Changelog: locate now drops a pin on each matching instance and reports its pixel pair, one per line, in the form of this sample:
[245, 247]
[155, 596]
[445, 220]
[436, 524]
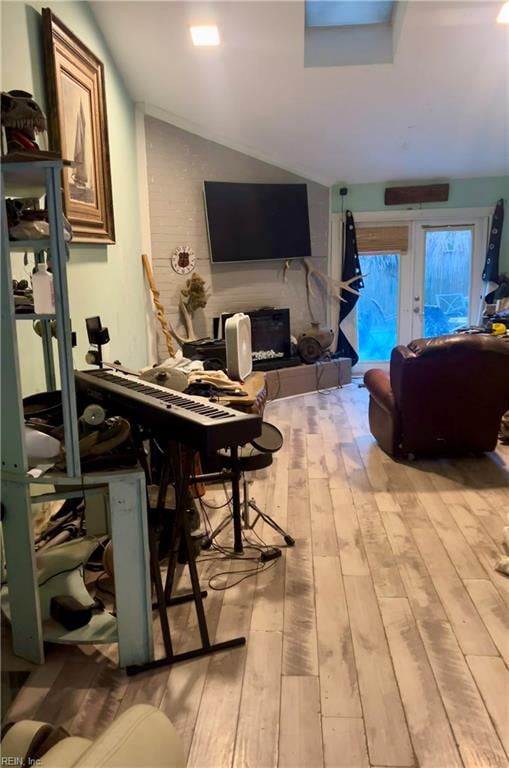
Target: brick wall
[178, 163]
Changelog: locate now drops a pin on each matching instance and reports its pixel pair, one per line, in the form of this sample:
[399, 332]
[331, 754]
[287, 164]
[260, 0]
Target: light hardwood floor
[381, 639]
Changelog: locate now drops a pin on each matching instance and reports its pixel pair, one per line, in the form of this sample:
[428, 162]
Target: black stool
[254, 455]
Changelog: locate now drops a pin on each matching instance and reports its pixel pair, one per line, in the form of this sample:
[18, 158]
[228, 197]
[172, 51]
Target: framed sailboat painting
[78, 129]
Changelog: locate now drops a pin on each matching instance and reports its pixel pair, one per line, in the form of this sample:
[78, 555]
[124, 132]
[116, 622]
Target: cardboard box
[284, 382]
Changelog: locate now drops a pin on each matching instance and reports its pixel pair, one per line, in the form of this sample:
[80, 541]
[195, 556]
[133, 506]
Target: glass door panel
[377, 308]
[444, 281]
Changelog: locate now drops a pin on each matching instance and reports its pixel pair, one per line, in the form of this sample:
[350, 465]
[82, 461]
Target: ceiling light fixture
[503, 16]
[205, 35]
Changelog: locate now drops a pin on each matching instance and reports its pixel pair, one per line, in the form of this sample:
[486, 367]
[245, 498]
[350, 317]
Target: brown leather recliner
[444, 396]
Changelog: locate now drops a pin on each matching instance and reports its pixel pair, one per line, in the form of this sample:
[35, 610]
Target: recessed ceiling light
[205, 35]
[503, 16]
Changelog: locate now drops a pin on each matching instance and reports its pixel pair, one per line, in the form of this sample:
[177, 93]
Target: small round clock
[183, 260]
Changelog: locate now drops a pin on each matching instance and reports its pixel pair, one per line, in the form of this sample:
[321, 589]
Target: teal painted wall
[463, 193]
[103, 280]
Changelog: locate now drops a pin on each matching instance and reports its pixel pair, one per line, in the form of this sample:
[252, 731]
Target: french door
[432, 288]
[378, 308]
[447, 280]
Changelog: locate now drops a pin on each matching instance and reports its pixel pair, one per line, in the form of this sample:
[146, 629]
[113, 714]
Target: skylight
[346, 13]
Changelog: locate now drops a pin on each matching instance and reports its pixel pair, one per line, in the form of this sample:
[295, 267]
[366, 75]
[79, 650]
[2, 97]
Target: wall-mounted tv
[257, 222]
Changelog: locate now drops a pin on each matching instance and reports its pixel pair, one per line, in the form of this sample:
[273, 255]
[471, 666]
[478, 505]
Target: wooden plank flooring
[381, 639]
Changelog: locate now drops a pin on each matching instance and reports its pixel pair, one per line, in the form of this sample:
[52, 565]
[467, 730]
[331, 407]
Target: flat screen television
[257, 222]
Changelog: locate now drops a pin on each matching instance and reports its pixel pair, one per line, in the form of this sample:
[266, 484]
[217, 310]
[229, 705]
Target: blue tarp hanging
[491, 265]
[351, 268]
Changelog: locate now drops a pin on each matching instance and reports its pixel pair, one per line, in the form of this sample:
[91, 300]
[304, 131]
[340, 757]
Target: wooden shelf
[31, 183]
[34, 158]
[29, 245]
[59, 478]
[102, 628]
[62, 495]
[33, 316]
[26, 177]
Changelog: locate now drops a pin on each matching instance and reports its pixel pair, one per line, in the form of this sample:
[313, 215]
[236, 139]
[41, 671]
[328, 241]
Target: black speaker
[205, 349]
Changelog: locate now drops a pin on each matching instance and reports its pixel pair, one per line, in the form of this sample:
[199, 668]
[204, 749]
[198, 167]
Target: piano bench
[258, 453]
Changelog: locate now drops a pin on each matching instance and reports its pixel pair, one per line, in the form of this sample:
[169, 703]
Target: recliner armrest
[378, 385]
[20, 740]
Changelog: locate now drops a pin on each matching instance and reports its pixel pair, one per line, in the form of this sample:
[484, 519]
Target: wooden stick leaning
[158, 305]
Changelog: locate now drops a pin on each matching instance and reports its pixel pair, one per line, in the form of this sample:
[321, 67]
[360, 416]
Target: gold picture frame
[78, 130]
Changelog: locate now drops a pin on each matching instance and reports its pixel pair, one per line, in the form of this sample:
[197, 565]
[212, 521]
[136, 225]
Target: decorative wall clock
[183, 260]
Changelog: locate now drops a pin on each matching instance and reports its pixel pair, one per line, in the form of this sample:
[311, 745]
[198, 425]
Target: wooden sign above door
[424, 193]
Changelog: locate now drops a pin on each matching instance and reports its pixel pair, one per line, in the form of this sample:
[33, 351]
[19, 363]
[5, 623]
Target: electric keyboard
[192, 420]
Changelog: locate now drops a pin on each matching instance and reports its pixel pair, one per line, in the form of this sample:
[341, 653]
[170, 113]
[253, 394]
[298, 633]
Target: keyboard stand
[181, 461]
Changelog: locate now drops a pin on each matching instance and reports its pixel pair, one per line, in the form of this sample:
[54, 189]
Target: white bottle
[44, 294]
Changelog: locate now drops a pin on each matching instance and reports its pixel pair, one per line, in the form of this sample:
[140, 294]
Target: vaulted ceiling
[441, 109]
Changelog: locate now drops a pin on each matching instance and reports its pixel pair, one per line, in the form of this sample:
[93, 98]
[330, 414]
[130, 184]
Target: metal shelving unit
[37, 178]
[124, 490]
[33, 178]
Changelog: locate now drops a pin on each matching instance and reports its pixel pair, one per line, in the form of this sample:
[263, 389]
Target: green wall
[103, 280]
[463, 193]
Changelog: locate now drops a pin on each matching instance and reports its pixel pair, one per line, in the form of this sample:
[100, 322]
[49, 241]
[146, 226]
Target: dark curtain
[491, 267]
[351, 268]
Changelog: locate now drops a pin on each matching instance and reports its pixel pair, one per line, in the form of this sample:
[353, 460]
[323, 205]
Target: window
[345, 13]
